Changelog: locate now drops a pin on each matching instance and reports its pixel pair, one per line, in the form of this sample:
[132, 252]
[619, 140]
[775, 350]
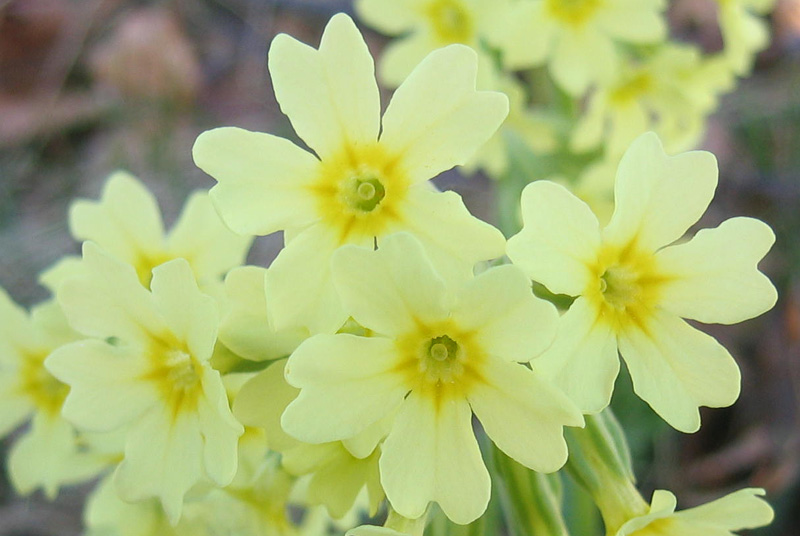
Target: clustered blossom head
[388, 340]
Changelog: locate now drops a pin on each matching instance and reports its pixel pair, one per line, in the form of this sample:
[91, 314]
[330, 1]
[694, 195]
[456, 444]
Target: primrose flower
[633, 285]
[740, 510]
[442, 350]
[147, 370]
[126, 222]
[670, 93]
[426, 25]
[578, 38]
[368, 177]
[48, 454]
[744, 31]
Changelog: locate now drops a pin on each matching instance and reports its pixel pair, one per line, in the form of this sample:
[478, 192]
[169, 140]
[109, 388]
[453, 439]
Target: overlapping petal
[191, 316]
[500, 308]
[390, 289]
[346, 382]
[560, 239]
[440, 221]
[431, 454]
[105, 391]
[163, 458]
[436, 119]
[524, 415]
[262, 179]
[200, 237]
[583, 360]
[125, 221]
[299, 285]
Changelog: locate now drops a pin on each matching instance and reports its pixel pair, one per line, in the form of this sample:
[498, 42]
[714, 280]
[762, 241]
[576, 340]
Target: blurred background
[91, 86]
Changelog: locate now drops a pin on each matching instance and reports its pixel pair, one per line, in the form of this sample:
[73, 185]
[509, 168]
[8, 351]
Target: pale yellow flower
[670, 93]
[369, 175]
[442, 349]
[146, 368]
[578, 39]
[338, 471]
[744, 31]
[634, 286]
[425, 25]
[741, 510]
[126, 222]
[49, 454]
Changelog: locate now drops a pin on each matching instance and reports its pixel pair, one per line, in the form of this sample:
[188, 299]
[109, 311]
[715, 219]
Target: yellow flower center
[360, 192]
[626, 287]
[177, 374]
[573, 12]
[632, 88]
[440, 360]
[44, 390]
[451, 22]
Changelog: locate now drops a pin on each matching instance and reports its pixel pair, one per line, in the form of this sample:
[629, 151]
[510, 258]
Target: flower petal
[431, 454]
[388, 17]
[583, 360]
[390, 289]
[346, 383]
[524, 415]
[219, 429]
[508, 320]
[441, 222]
[107, 300]
[191, 316]
[245, 328]
[104, 390]
[635, 21]
[262, 401]
[714, 277]
[743, 509]
[126, 220]
[559, 241]
[261, 179]
[299, 285]
[330, 95]
[163, 459]
[659, 197]
[402, 55]
[676, 368]
[200, 237]
[436, 119]
[582, 57]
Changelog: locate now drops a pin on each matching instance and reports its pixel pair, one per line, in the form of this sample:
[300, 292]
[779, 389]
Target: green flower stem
[600, 462]
[412, 527]
[531, 500]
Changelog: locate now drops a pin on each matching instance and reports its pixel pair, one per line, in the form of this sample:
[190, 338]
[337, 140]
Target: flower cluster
[390, 347]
